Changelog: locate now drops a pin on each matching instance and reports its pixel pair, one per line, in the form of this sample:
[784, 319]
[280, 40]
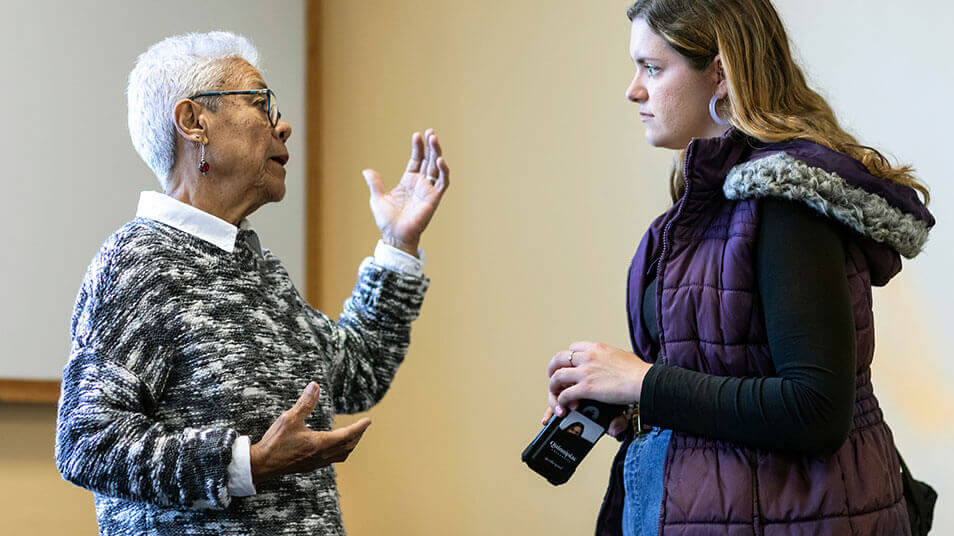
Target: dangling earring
[712, 112]
[203, 165]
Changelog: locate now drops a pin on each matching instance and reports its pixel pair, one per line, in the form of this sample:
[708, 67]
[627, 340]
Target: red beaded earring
[203, 165]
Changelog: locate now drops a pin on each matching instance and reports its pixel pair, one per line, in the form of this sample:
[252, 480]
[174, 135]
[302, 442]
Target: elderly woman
[191, 400]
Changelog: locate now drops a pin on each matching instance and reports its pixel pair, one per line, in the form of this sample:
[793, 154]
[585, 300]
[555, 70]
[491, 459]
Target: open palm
[403, 213]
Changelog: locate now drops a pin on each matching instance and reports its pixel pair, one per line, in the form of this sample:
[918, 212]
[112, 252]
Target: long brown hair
[769, 98]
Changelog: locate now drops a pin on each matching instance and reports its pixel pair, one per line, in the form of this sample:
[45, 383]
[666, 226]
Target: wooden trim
[29, 391]
[313, 212]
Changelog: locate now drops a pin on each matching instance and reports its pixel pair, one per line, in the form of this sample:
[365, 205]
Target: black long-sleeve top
[807, 408]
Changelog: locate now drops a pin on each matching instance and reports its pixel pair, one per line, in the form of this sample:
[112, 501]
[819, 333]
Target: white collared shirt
[222, 234]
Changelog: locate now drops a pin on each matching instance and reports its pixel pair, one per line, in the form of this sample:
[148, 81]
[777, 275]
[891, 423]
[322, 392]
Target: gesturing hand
[291, 447]
[403, 213]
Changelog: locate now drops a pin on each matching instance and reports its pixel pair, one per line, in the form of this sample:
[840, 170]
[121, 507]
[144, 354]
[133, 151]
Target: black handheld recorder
[560, 447]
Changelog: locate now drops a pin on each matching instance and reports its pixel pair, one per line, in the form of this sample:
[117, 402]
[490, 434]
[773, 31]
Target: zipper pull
[652, 266]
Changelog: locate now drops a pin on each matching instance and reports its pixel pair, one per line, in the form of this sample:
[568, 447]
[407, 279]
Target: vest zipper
[685, 193]
[662, 254]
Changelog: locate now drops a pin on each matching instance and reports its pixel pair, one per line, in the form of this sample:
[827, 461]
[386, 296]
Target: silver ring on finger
[571, 358]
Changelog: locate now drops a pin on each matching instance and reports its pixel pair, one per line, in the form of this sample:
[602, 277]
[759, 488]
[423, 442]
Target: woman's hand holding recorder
[594, 371]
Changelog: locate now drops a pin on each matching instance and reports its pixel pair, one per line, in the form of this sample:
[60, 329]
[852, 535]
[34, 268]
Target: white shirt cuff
[395, 259]
[240, 469]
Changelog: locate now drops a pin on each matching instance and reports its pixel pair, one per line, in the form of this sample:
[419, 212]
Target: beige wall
[552, 185]
[34, 500]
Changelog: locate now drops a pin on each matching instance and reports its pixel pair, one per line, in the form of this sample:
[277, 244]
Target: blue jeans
[643, 482]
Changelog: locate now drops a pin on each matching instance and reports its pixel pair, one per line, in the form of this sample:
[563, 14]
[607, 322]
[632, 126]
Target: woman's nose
[636, 92]
[283, 130]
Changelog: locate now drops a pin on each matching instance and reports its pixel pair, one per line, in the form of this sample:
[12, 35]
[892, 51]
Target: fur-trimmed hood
[889, 217]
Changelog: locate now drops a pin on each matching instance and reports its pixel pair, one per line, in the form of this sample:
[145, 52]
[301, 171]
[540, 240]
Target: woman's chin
[653, 139]
[275, 189]
[278, 193]
[664, 142]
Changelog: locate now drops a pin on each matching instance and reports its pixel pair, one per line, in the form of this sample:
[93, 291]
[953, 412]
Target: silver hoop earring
[712, 112]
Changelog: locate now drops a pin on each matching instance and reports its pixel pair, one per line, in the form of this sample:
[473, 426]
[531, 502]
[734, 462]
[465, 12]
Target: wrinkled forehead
[241, 75]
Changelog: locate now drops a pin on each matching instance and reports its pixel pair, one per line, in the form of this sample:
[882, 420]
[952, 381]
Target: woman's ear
[189, 118]
[718, 76]
[722, 83]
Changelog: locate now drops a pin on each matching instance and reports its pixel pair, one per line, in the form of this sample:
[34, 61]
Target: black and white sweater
[179, 346]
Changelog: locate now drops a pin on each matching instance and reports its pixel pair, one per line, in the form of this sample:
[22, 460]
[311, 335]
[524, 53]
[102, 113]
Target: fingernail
[559, 411]
[312, 389]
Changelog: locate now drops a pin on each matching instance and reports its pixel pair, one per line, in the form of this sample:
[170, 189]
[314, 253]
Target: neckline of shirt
[189, 219]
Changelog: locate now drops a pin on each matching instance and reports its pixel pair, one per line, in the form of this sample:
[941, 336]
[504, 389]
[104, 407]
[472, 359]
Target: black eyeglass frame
[268, 101]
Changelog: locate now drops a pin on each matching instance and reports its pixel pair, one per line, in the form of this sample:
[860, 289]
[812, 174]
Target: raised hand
[403, 213]
[289, 446]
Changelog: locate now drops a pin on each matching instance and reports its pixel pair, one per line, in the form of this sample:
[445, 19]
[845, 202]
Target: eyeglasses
[271, 101]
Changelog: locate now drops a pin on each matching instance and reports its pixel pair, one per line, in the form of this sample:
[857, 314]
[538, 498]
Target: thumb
[373, 179]
[356, 429]
[307, 401]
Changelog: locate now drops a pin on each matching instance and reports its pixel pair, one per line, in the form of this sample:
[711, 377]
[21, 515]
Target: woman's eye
[652, 70]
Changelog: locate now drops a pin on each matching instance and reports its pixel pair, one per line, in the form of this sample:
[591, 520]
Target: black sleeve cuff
[648, 394]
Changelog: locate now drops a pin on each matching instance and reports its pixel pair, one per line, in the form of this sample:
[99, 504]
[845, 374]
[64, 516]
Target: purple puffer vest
[710, 320]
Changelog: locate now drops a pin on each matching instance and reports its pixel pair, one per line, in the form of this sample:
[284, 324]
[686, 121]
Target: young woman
[750, 298]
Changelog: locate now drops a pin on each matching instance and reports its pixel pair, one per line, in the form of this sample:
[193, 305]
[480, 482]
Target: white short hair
[173, 69]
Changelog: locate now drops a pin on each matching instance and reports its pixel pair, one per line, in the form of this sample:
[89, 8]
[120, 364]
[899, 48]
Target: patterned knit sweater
[178, 347]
